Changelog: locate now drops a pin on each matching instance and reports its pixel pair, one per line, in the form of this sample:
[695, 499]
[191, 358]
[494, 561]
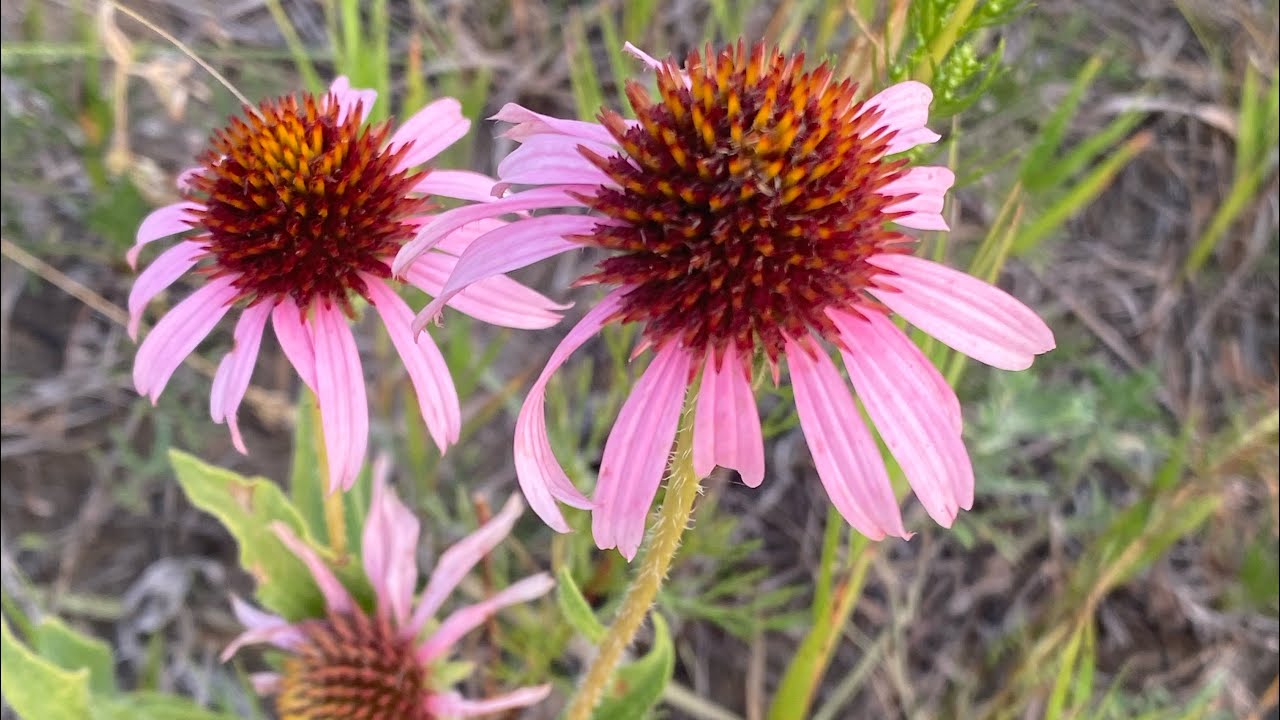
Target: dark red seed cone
[300, 199]
[748, 200]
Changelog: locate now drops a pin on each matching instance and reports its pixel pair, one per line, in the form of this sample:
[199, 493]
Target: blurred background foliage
[1116, 167]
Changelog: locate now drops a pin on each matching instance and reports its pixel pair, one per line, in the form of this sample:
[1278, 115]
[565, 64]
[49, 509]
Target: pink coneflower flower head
[296, 209]
[381, 665]
[754, 209]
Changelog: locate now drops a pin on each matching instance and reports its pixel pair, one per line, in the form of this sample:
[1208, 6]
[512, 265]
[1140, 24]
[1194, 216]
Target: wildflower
[750, 209]
[378, 666]
[295, 209]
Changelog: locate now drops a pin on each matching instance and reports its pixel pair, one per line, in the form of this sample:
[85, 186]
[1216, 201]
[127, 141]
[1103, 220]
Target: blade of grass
[301, 58]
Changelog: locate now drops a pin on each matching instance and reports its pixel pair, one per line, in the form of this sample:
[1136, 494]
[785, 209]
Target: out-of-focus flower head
[381, 666]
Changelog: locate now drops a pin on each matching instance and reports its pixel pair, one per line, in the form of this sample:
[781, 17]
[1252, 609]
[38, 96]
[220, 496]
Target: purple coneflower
[751, 211]
[296, 209]
[352, 664]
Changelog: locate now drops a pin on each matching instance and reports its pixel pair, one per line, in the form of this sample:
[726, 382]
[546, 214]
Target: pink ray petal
[389, 547]
[234, 372]
[541, 477]
[726, 424]
[509, 248]
[344, 411]
[916, 428]
[929, 184]
[906, 110]
[461, 184]
[437, 398]
[260, 627]
[635, 454]
[963, 312]
[435, 127]
[458, 560]
[527, 123]
[451, 220]
[497, 300]
[178, 333]
[295, 339]
[845, 454]
[457, 242]
[159, 275]
[336, 597]
[349, 98]
[466, 619]
[905, 354]
[163, 222]
[554, 160]
[453, 705]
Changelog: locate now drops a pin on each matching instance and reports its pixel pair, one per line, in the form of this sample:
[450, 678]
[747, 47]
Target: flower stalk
[673, 517]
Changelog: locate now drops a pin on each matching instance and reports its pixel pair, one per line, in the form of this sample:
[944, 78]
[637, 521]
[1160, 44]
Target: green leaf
[71, 650]
[575, 608]
[248, 507]
[640, 684]
[36, 688]
[153, 705]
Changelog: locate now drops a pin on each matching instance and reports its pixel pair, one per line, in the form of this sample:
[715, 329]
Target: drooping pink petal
[905, 354]
[389, 546]
[541, 477]
[432, 383]
[466, 619]
[906, 110]
[163, 222]
[461, 184]
[929, 184]
[453, 705]
[295, 339]
[159, 275]
[527, 123]
[963, 312]
[497, 300]
[336, 597]
[845, 454]
[508, 248]
[457, 241]
[178, 333]
[726, 424]
[348, 98]
[344, 411]
[918, 430]
[260, 627]
[451, 220]
[554, 160]
[234, 372]
[635, 454]
[435, 127]
[458, 560]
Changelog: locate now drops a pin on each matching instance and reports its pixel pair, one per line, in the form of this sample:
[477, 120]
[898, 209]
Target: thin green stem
[335, 519]
[664, 541]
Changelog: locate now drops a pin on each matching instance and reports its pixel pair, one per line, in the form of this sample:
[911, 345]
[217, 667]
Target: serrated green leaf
[71, 650]
[640, 684]
[575, 608]
[36, 688]
[247, 507]
[153, 706]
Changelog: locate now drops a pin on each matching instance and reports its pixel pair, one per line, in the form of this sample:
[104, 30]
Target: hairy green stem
[664, 541]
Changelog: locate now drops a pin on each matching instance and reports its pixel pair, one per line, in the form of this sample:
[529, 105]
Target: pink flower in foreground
[380, 667]
[748, 210]
[296, 208]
